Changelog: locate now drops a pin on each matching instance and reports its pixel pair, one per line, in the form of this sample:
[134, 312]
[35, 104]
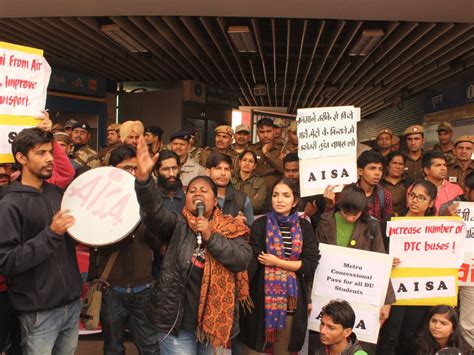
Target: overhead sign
[327, 147]
[23, 89]
[357, 276]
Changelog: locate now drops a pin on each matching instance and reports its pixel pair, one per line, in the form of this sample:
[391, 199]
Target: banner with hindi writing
[466, 271]
[23, 90]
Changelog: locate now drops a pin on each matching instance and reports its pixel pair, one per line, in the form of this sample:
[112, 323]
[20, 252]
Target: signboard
[327, 147]
[466, 271]
[77, 83]
[104, 205]
[357, 276]
[23, 90]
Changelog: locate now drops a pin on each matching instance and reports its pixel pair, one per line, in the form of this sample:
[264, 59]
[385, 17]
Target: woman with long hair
[285, 256]
[441, 330]
[247, 181]
[396, 336]
[203, 278]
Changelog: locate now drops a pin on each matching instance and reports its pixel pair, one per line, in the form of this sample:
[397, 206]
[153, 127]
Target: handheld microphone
[200, 210]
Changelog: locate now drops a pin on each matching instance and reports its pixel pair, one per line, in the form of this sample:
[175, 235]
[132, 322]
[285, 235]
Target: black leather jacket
[165, 309]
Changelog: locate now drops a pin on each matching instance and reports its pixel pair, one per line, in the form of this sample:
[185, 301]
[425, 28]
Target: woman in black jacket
[194, 304]
[285, 256]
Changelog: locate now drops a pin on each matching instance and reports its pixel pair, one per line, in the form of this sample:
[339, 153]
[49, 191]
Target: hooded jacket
[40, 266]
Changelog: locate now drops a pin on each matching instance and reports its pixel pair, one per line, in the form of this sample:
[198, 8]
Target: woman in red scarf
[285, 256]
[203, 279]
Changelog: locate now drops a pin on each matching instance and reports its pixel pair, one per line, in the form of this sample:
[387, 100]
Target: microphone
[200, 210]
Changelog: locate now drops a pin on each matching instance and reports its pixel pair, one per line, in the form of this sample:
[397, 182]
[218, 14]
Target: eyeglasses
[419, 198]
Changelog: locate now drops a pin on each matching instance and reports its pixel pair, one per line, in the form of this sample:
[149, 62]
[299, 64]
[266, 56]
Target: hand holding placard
[61, 222]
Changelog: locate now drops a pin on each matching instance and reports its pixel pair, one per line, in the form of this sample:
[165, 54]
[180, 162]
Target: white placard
[24, 82]
[104, 204]
[466, 271]
[428, 242]
[327, 131]
[316, 174]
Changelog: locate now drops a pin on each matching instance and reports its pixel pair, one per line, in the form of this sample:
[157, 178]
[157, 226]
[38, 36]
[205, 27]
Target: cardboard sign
[427, 242]
[23, 89]
[425, 286]
[104, 204]
[466, 271]
[357, 276]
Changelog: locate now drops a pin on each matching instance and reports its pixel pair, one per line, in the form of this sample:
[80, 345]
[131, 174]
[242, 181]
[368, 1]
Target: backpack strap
[109, 266]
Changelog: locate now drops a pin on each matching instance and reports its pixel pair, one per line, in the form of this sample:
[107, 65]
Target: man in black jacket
[38, 260]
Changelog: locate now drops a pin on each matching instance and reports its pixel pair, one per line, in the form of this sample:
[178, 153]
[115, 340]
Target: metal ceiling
[296, 59]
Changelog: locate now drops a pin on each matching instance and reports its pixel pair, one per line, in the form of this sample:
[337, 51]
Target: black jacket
[252, 325]
[40, 266]
[166, 305]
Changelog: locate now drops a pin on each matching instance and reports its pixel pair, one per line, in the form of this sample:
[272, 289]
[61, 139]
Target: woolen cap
[445, 126]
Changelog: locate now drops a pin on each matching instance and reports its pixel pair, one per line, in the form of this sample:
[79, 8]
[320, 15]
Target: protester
[441, 330]
[445, 143]
[129, 283]
[189, 168]
[291, 146]
[246, 181]
[463, 165]
[112, 140]
[130, 132]
[285, 256]
[153, 138]
[384, 142]
[269, 166]
[395, 183]
[38, 259]
[415, 138]
[351, 226]
[370, 171]
[231, 201]
[436, 171]
[337, 337]
[223, 141]
[397, 334]
[195, 302]
[84, 154]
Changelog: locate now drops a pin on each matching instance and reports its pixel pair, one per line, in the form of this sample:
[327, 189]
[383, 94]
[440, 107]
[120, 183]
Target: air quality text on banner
[327, 147]
[23, 87]
[357, 276]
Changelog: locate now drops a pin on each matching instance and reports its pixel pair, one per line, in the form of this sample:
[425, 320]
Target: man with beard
[370, 170]
[84, 154]
[171, 189]
[37, 258]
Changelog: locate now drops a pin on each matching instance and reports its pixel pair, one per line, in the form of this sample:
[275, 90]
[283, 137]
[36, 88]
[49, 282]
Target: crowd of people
[226, 249]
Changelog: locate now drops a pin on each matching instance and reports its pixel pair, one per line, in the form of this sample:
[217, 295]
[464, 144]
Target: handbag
[90, 314]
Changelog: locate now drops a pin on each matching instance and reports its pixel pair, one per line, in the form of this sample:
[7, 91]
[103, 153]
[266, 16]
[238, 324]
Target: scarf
[281, 288]
[220, 285]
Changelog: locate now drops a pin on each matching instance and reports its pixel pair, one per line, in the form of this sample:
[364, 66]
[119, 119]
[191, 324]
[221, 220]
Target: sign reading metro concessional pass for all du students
[24, 77]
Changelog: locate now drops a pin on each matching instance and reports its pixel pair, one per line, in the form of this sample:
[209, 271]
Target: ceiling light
[368, 40]
[115, 33]
[242, 39]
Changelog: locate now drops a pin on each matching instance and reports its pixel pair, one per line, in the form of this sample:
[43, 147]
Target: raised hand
[45, 123]
[145, 162]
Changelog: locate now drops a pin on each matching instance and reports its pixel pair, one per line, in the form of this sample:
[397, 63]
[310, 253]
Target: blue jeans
[120, 310]
[184, 344]
[54, 331]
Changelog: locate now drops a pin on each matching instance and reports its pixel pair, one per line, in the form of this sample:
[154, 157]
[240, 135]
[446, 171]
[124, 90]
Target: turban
[129, 126]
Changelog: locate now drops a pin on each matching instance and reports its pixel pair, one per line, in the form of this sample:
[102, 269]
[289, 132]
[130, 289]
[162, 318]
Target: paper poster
[466, 271]
[23, 88]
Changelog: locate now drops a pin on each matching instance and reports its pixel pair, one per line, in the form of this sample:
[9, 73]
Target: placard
[360, 277]
[425, 242]
[23, 89]
[104, 205]
[466, 271]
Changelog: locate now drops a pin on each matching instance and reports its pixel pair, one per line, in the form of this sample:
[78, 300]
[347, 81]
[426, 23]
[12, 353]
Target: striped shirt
[285, 231]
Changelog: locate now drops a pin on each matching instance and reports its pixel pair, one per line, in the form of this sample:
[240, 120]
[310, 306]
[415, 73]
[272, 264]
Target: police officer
[463, 164]
[415, 138]
[384, 142]
[445, 144]
[112, 139]
[223, 141]
[84, 154]
[291, 146]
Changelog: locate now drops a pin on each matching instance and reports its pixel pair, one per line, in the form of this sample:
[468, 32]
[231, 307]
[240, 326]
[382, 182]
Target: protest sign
[466, 271]
[427, 242]
[357, 276]
[327, 147]
[425, 286]
[23, 90]
[104, 205]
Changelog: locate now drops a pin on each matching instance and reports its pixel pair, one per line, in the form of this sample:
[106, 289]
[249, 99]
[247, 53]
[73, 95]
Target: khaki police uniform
[269, 165]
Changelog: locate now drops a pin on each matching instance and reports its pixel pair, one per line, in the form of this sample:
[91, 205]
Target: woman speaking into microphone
[195, 302]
